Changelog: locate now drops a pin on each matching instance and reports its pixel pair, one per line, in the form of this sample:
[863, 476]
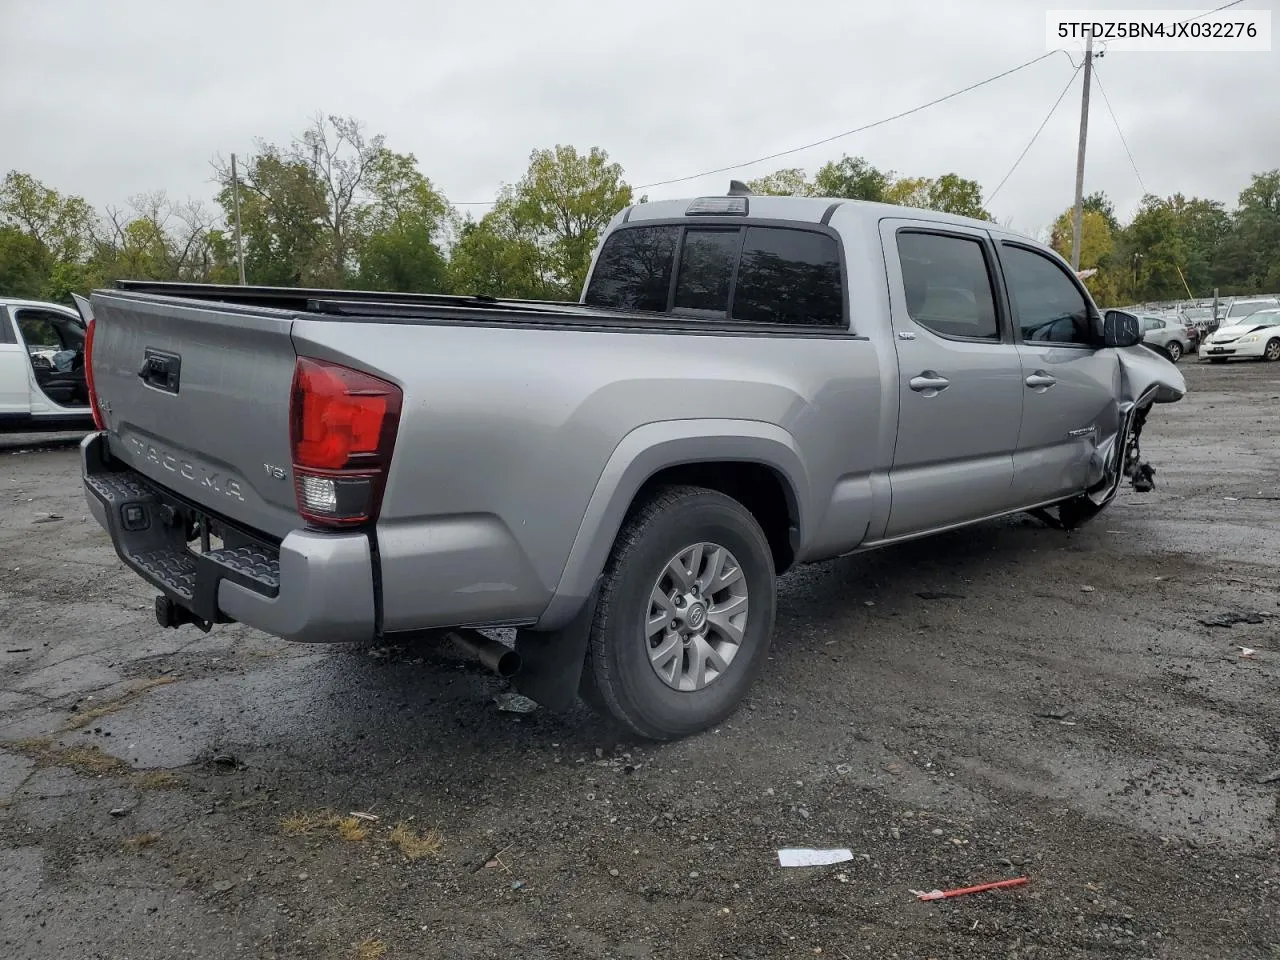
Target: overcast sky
[106, 99]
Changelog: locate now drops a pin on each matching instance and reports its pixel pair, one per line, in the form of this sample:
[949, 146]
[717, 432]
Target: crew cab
[42, 370]
[747, 383]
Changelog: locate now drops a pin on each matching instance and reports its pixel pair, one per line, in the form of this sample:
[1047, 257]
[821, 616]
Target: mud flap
[552, 660]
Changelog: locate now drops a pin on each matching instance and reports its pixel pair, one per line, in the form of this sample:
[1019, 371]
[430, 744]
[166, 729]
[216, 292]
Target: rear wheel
[1175, 350]
[1271, 352]
[685, 615]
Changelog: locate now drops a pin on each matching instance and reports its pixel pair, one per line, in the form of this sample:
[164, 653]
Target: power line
[907, 113]
[1107, 101]
[847, 133]
[818, 143]
[1210, 13]
[1034, 137]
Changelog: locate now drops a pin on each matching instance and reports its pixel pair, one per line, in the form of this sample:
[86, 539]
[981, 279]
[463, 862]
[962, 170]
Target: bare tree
[341, 158]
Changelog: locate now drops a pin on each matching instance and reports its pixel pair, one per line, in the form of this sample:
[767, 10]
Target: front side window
[633, 271]
[948, 286]
[1048, 306]
[39, 330]
[790, 277]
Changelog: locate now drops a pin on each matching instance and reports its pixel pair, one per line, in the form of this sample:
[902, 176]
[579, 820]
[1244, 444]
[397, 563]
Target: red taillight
[88, 375]
[343, 425]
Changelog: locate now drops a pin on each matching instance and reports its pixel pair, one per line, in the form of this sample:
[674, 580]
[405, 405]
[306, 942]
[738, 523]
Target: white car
[1256, 336]
[42, 373]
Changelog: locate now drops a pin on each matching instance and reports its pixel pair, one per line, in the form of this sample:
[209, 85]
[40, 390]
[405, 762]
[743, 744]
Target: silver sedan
[1175, 337]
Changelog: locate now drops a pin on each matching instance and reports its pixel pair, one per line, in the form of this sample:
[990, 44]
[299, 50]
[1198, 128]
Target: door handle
[929, 383]
[1040, 381]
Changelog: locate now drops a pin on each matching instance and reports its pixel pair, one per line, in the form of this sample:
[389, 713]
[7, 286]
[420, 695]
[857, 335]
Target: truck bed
[432, 308]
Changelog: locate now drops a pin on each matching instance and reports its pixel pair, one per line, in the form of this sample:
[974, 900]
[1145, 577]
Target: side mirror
[1120, 329]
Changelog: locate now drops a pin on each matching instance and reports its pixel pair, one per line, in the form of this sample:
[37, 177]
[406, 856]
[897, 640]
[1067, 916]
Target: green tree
[157, 239]
[1203, 225]
[791, 182]
[851, 178]
[908, 192]
[1099, 202]
[565, 199]
[282, 221]
[1250, 258]
[67, 226]
[1097, 242]
[1157, 249]
[500, 256]
[952, 193]
[25, 264]
[400, 229]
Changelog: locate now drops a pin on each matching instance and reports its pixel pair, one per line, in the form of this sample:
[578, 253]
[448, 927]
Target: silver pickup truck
[747, 383]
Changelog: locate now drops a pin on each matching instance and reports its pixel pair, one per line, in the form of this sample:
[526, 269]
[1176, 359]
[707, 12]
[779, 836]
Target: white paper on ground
[812, 858]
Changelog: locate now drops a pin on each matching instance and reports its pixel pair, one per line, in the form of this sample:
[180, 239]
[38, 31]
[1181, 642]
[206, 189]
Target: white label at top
[1160, 31]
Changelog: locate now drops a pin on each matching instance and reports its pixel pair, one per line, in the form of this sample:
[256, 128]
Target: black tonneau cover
[380, 307]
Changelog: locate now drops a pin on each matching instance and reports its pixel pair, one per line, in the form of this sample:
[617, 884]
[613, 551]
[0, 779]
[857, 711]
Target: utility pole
[1078, 218]
[240, 243]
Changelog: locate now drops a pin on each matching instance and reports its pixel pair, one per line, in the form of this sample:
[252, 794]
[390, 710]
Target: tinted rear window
[706, 267]
[784, 276]
[788, 276]
[633, 271]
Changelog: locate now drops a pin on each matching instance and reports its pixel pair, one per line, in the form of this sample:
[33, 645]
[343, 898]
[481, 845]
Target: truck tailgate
[196, 397]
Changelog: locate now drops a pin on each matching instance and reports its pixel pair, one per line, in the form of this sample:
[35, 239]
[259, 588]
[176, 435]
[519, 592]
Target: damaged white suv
[42, 369]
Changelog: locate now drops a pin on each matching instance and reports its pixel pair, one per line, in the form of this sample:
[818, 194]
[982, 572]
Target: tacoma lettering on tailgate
[193, 473]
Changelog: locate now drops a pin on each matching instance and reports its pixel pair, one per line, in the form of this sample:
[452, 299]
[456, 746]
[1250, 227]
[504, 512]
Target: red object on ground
[980, 888]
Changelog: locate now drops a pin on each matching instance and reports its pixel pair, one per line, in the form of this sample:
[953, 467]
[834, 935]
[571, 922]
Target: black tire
[1175, 350]
[1271, 352]
[618, 678]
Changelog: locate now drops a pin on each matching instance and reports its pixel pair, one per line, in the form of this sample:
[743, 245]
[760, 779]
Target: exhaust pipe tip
[497, 656]
[507, 666]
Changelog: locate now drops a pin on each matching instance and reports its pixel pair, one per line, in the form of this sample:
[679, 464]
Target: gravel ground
[1001, 702]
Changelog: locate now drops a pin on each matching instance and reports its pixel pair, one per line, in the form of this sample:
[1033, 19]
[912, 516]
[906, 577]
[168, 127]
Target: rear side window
[789, 276]
[706, 268]
[948, 285]
[633, 271]
[6, 327]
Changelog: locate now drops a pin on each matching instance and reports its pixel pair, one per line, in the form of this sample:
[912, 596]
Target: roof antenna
[738, 189]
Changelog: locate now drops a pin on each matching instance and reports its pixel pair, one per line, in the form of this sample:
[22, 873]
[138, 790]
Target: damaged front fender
[1146, 370]
[1146, 378]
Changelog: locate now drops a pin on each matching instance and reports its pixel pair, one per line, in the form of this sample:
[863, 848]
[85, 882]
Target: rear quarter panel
[509, 434]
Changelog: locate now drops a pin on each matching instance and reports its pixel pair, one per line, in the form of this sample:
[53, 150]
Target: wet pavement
[1004, 701]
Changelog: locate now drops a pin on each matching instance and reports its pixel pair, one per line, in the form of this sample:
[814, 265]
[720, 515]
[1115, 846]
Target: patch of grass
[303, 823]
[157, 780]
[142, 840]
[370, 950]
[416, 845]
[352, 829]
[85, 717]
[300, 823]
[90, 761]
